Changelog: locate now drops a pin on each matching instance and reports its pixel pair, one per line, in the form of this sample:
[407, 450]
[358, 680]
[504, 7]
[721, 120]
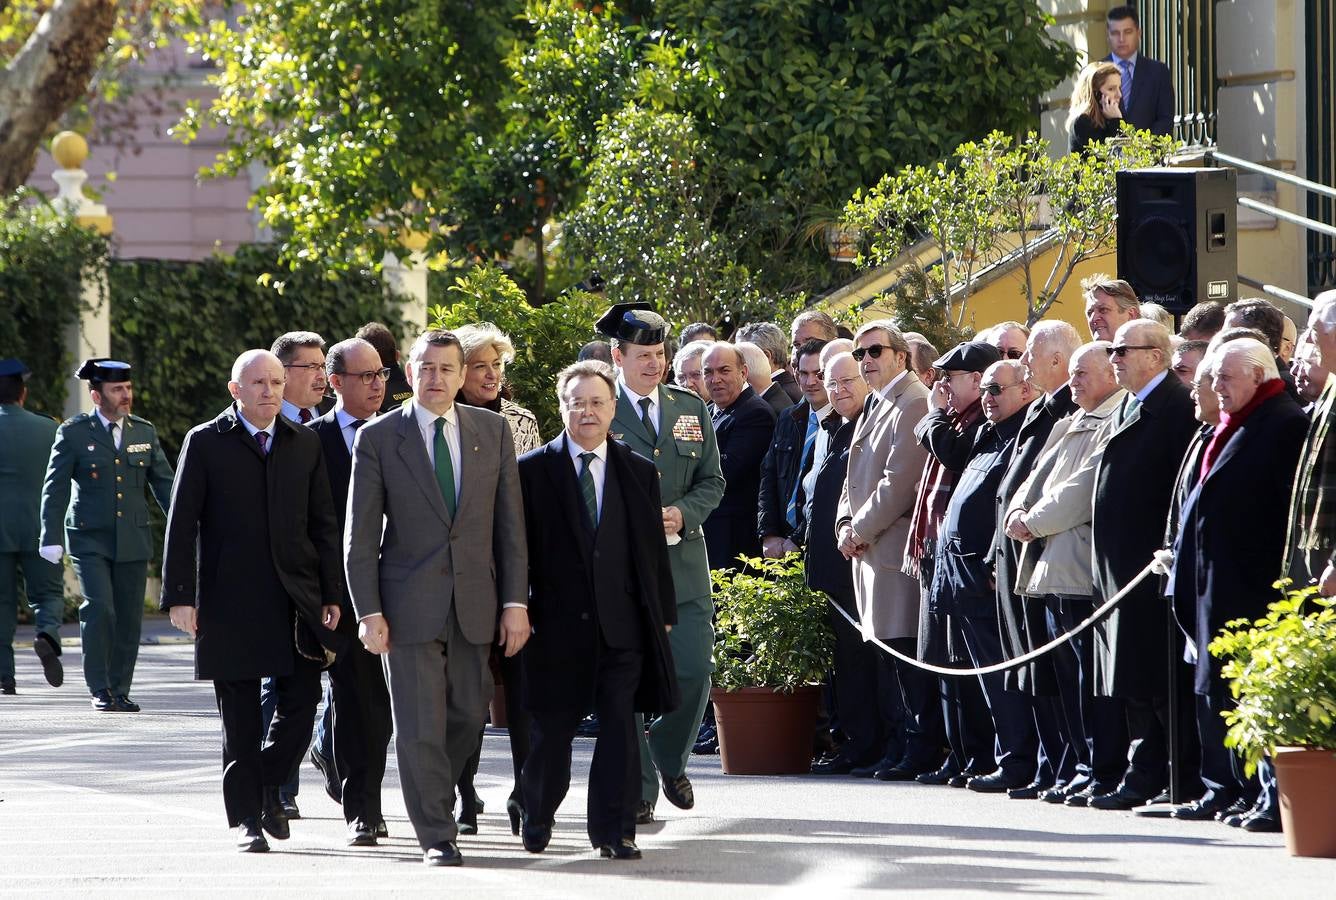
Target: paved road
[97, 804]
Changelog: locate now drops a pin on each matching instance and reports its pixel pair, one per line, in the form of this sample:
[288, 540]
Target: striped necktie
[809, 447]
[587, 488]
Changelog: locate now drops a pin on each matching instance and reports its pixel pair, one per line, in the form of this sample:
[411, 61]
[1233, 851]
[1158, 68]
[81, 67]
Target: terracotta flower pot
[1307, 783]
[765, 732]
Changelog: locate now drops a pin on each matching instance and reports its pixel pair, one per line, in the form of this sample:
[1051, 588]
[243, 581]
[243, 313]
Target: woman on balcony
[1096, 110]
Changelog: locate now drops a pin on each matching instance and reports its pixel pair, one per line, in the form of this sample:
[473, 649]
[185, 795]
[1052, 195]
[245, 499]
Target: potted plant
[1282, 671]
[772, 648]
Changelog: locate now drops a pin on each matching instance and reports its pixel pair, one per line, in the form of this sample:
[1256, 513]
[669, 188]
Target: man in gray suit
[435, 557]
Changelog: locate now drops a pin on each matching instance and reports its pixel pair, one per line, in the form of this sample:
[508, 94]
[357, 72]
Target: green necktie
[587, 488]
[445, 469]
[644, 417]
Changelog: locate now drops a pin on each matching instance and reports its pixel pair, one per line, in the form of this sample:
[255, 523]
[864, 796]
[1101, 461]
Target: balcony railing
[1181, 34]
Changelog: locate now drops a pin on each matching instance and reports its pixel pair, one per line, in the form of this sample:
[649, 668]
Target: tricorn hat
[103, 370]
[635, 323]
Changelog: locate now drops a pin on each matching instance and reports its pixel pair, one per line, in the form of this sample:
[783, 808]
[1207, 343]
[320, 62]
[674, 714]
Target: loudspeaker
[1177, 235]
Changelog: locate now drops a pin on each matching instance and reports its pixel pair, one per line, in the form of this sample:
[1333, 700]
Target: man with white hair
[1048, 350]
[250, 568]
[1134, 480]
[686, 367]
[758, 376]
[1223, 572]
[772, 341]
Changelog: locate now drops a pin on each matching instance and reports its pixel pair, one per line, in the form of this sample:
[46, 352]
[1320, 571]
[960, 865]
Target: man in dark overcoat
[251, 570]
[601, 601]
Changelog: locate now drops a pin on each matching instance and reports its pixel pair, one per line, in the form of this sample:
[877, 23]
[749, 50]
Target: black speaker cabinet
[1177, 235]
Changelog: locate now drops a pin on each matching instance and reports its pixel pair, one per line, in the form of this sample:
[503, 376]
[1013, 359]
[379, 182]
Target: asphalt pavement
[115, 804]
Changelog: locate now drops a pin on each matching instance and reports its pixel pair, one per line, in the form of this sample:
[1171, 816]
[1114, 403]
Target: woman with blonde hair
[1096, 110]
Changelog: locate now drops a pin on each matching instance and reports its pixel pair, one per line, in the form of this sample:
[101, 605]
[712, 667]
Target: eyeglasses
[1013, 353]
[993, 389]
[840, 384]
[368, 377]
[874, 351]
[310, 367]
[1123, 349]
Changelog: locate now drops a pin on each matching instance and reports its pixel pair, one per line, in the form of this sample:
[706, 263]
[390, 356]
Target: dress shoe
[125, 704]
[48, 651]
[443, 854]
[290, 810]
[7, 685]
[644, 812]
[249, 837]
[381, 830]
[996, 782]
[897, 773]
[1203, 810]
[468, 815]
[707, 744]
[1030, 791]
[515, 811]
[623, 849]
[272, 817]
[325, 766]
[835, 765]
[103, 701]
[361, 834]
[962, 779]
[535, 837]
[1261, 823]
[678, 791]
[1092, 790]
[588, 727]
[1122, 799]
[1238, 809]
[939, 776]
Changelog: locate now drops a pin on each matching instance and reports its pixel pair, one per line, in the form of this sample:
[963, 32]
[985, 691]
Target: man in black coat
[1048, 351]
[1222, 571]
[262, 594]
[1134, 479]
[1148, 90]
[601, 601]
[359, 709]
[797, 446]
[743, 425]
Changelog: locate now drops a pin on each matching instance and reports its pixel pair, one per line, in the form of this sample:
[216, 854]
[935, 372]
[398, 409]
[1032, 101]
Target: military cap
[14, 367]
[969, 356]
[103, 369]
[635, 323]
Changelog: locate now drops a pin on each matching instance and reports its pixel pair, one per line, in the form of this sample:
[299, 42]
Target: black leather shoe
[588, 727]
[1239, 807]
[1203, 810]
[103, 701]
[325, 766]
[290, 810]
[962, 779]
[1261, 823]
[1122, 799]
[1030, 791]
[443, 854]
[678, 791]
[272, 817]
[644, 812]
[896, 773]
[623, 849]
[1060, 792]
[515, 811]
[996, 782]
[48, 651]
[468, 815]
[7, 685]
[381, 830]
[938, 777]
[249, 837]
[707, 744]
[835, 765]
[361, 834]
[535, 837]
[125, 704]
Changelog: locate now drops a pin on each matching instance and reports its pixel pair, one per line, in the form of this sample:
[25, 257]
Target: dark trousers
[1017, 743]
[360, 730]
[1148, 729]
[268, 704]
[856, 688]
[614, 775]
[1104, 719]
[1221, 768]
[41, 583]
[517, 725]
[1059, 619]
[251, 762]
[110, 619]
[921, 701]
[969, 728]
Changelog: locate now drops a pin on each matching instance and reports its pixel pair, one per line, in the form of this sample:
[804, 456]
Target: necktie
[445, 469]
[649, 425]
[303, 415]
[1126, 66]
[1130, 406]
[356, 424]
[809, 446]
[262, 437]
[111, 428]
[587, 488]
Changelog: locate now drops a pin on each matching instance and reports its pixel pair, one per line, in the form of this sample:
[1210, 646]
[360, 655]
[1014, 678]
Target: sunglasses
[1124, 349]
[993, 389]
[874, 351]
[1013, 353]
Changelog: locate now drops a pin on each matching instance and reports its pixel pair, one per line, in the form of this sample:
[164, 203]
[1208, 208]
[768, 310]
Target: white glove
[1163, 562]
[52, 553]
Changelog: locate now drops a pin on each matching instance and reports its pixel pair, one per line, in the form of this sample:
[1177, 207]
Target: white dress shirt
[346, 420]
[426, 421]
[117, 435]
[252, 430]
[635, 403]
[819, 450]
[598, 467]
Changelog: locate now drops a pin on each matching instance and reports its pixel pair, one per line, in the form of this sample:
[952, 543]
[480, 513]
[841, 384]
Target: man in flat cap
[100, 466]
[25, 446]
[670, 426]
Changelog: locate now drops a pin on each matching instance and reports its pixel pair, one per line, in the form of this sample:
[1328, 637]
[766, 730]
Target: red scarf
[1232, 422]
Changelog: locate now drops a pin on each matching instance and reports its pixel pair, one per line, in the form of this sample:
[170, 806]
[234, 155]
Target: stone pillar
[90, 335]
[408, 281]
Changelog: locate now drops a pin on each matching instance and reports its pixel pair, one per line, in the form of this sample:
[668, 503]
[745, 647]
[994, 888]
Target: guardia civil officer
[102, 466]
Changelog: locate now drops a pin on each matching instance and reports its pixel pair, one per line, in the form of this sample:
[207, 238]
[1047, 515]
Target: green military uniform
[687, 458]
[25, 446]
[106, 524]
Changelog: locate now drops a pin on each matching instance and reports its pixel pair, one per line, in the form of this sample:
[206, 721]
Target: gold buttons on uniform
[119, 478]
[657, 451]
[118, 513]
